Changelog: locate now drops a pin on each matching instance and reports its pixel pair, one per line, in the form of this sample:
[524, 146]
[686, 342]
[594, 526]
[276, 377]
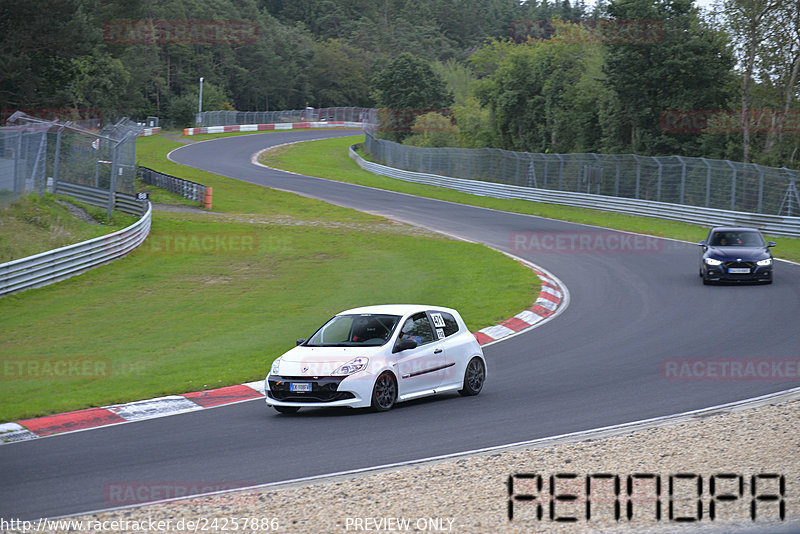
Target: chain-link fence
[232, 118]
[37, 154]
[719, 184]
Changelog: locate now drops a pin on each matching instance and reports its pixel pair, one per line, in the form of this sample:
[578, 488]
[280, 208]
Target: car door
[420, 370]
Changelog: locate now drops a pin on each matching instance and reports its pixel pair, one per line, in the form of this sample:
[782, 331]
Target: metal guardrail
[54, 265]
[179, 186]
[100, 197]
[771, 224]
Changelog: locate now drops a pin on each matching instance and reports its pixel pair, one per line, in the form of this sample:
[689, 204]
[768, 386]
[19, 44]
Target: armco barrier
[179, 186]
[54, 265]
[268, 127]
[100, 197]
[771, 224]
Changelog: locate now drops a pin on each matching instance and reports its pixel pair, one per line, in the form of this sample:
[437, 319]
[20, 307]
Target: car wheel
[384, 394]
[286, 409]
[474, 377]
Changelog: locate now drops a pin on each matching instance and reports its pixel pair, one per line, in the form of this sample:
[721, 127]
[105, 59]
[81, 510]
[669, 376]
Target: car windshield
[737, 239]
[355, 331]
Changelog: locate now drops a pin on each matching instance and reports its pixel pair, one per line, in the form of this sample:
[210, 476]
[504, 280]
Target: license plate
[299, 386]
[739, 270]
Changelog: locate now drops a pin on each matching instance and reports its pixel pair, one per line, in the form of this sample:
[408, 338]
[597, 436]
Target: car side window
[444, 323]
[418, 328]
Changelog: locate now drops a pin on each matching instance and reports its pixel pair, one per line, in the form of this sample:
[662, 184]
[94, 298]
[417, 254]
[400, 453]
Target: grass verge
[34, 224]
[329, 158]
[211, 298]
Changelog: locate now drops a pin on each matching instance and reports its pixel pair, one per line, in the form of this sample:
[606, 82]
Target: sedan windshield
[737, 239]
[355, 331]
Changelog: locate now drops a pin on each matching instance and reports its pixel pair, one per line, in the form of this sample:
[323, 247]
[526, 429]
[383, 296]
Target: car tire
[384, 393]
[474, 377]
[287, 409]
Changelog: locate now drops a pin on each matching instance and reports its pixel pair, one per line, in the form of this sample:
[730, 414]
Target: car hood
[734, 253]
[320, 361]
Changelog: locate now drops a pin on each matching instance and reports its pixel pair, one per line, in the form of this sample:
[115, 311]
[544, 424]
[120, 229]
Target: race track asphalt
[601, 362]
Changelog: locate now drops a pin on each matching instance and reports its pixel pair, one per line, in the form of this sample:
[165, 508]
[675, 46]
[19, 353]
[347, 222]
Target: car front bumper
[719, 273]
[354, 391]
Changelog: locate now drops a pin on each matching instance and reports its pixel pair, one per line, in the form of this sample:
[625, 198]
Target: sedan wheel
[474, 377]
[384, 394]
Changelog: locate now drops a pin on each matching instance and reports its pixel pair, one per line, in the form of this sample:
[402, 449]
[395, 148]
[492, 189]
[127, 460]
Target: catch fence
[701, 182]
[36, 155]
[232, 118]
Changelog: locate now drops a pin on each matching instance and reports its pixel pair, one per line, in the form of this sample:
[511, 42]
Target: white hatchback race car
[377, 356]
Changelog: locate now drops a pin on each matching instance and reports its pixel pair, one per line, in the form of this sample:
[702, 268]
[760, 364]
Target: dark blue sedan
[734, 254]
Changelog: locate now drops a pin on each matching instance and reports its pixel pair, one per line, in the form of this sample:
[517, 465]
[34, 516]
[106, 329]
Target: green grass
[211, 298]
[329, 158]
[34, 224]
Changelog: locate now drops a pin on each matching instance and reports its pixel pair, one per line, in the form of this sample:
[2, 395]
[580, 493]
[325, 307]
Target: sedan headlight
[712, 261]
[353, 366]
[764, 262]
[275, 366]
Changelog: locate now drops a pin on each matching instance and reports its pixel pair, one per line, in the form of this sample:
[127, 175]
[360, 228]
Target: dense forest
[653, 77]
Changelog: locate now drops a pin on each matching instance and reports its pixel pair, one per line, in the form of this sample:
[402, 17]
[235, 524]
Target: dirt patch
[78, 212]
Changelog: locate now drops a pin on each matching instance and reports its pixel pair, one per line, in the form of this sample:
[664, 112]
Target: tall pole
[200, 101]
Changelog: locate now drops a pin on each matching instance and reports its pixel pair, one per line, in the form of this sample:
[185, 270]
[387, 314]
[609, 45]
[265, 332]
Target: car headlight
[762, 263]
[712, 261]
[275, 367]
[353, 366]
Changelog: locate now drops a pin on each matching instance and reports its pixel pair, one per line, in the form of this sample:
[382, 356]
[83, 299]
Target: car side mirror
[300, 341]
[404, 344]
[772, 244]
[702, 244]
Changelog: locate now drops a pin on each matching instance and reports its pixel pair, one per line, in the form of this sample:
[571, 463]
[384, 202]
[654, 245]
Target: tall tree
[686, 66]
[753, 24]
[406, 87]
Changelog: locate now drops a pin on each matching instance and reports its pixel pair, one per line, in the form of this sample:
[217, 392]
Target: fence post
[112, 187]
[17, 159]
[560, 172]
[658, 184]
[57, 158]
[683, 178]
[733, 185]
[708, 181]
